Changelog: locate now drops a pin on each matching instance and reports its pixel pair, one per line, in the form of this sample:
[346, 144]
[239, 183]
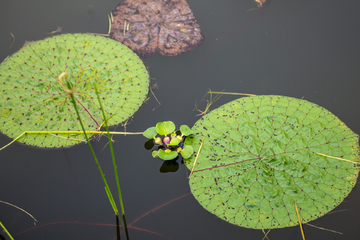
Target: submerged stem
[107, 189]
[114, 162]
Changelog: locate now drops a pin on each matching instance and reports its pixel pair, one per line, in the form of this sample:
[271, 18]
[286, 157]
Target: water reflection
[169, 165]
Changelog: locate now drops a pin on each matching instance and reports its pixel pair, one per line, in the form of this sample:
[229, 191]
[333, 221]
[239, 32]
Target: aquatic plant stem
[230, 93]
[89, 224]
[321, 228]
[342, 159]
[265, 234]
[67, 132]
[197, 155]
[209, 103]
[19, 209]
[298, 215]
[107, 189]
[130, 226]
[114, 162]
[6, 231]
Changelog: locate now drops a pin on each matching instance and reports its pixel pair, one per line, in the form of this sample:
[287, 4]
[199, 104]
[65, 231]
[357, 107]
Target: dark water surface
[297, 48]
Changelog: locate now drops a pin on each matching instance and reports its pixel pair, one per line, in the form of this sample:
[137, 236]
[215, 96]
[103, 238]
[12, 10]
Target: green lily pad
[260, 155]
[32, 98]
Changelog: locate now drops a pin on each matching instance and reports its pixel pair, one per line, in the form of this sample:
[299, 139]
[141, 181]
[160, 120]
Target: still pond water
[302, 49]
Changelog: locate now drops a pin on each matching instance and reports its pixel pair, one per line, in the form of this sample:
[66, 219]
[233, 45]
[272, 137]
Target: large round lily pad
[32, 98]
[260, 154]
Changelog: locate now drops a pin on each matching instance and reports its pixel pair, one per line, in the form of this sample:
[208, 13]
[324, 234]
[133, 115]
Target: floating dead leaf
[150, 26]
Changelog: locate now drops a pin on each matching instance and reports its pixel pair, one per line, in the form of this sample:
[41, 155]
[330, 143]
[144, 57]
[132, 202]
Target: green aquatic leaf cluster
[261, 154]
[169, 143]
[33, 95]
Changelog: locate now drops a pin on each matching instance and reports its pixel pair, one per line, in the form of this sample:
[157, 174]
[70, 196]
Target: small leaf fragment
[154, 154]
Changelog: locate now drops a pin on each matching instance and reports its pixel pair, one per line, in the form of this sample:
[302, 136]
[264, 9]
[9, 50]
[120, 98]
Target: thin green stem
[6, 231]
[107, 189]
[67, 132]
[113, 160]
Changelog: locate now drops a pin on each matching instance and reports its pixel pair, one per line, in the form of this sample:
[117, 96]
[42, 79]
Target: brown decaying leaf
[149, 26]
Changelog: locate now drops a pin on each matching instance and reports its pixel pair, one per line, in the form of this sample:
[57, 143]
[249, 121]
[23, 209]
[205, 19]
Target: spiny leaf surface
[259, 155]
[32, 99]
